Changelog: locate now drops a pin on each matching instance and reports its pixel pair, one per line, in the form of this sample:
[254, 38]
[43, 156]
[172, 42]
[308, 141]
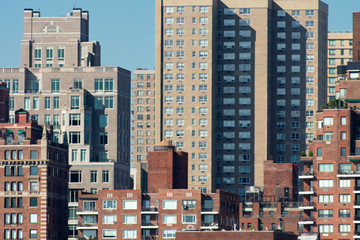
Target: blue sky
[124, 28]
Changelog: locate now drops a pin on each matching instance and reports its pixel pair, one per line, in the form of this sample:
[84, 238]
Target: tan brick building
[143, 123]
[34, 186]
[61, 83]
[340, 52]
[233, 78]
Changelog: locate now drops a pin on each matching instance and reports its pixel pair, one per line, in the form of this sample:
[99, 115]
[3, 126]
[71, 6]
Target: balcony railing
[212, 224]
[207, 209]
[87, 209]
[149, 209]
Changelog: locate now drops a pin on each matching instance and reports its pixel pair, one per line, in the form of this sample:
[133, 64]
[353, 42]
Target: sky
[124, 28]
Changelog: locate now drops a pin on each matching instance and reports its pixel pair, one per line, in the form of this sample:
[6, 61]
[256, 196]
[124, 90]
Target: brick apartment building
[163, 211]
[34, 173]
[123, 214]
[331, 170]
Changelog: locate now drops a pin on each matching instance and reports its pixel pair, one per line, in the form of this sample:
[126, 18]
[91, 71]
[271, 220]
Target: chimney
[21, 116]
[356, 36]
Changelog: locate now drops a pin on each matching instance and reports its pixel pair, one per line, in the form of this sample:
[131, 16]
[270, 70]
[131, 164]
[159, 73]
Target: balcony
[357, 189]
[306, 221]
[357, 204]
[306, 175]
[209, 226]
[149, 210]
[356, 219]
[87, 211]
[148, 225]
[348, 174]
[209, 210]
[307, 205]
[356, 235]
[308, 192]
[87, 227]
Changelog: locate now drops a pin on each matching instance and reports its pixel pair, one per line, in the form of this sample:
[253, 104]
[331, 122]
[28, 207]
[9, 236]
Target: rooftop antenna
[74, 4]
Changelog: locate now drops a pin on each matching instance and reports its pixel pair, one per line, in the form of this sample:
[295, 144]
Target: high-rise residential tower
[143, 123]
[238, 82]
[61, 83]
[340, 52]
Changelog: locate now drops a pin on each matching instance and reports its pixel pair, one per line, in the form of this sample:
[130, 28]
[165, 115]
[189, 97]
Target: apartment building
[34, 172]
[340, 52]
[130, 214]
[232, 235]
[62, 84]
[233, 78]
[331, 170]
[142, 123]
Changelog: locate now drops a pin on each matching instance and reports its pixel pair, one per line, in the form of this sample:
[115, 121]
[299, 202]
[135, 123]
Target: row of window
[75, 176]
[14, 87]
[181, 9]
[12, 171]
[100, 85]
[181, 76]
[342, 51]
[328, 228]
[181, 110]
[294, 35]
[295, 24]
[181, 20]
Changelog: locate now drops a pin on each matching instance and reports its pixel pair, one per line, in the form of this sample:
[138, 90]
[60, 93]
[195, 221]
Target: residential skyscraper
[61, 83]
[143, 123]
[340, 52]
[238, 83]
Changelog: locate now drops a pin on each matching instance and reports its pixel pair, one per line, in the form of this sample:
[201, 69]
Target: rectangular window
[105, 176]
[169, 204]
[75, 102]
[109, 204]
[55, 85]
[129, 204]
[129, 219]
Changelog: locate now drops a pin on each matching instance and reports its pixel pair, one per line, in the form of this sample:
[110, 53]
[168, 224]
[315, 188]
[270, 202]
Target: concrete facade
[236, 94]
[61, 84]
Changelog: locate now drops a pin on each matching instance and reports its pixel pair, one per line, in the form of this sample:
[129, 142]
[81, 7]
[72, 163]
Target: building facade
[34, 172]
[340, 52]
[61, 83]
[331, 170]
[242, 101]
[142, 123]
[129, 214]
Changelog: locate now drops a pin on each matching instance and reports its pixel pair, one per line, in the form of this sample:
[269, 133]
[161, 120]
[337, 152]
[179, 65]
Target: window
[169, 219]
[344, 198]
[93, 176]
[129, 204]
[74, 137]
[129, 219]
[55, 85]
[344, 183]
[326, 199]
[326, 183]
[190, 218]
[169, 233]
[129, 234]
[109, 219]
[325, 213]
[33, 218]
[105, 176]
[109, 233]
[169, 204]
[325, 228]
[246, 11]
[344, 213]
[75, 176]
[33, 233]
[326, 167]
[109, 204]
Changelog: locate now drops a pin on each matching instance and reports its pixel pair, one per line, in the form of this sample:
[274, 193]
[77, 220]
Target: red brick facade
[268, 235]
[155, 215]
[167, 168]
[34, 173]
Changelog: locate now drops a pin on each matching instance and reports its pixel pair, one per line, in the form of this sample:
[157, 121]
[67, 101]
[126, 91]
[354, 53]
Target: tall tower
[232, 78]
